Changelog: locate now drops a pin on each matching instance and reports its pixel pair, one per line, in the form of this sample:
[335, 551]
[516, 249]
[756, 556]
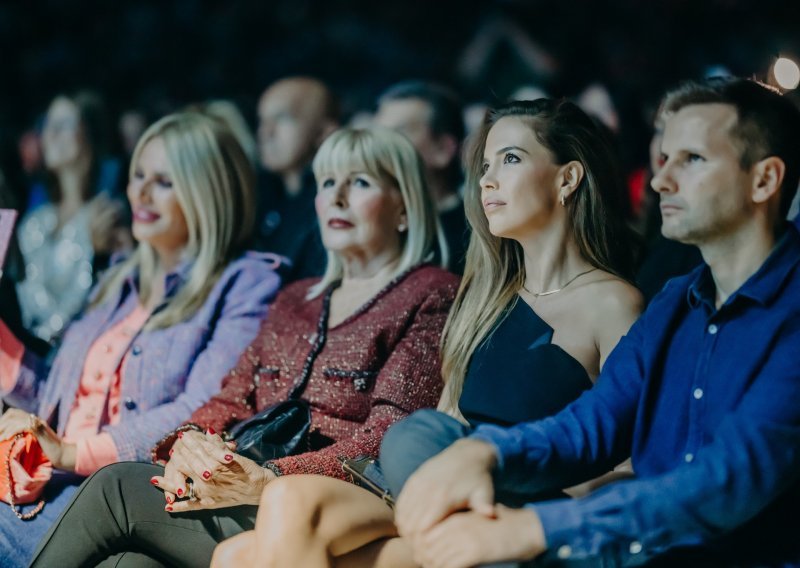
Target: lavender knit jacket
[172, 371]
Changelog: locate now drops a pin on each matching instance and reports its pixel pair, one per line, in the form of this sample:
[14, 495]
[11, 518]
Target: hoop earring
[563, 200]
[401, 228]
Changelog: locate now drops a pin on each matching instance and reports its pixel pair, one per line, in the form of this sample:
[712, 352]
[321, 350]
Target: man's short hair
[446, 109]
[768, 124]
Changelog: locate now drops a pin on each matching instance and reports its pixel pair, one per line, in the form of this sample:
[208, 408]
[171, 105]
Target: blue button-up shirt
[707, 402]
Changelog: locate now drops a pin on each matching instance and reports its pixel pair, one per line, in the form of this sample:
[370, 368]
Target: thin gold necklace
[557, 290]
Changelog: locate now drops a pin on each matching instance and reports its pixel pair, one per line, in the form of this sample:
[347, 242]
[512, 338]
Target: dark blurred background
[156, 55]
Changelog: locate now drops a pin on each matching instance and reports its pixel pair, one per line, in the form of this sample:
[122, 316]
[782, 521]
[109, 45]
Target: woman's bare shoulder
[609, 295]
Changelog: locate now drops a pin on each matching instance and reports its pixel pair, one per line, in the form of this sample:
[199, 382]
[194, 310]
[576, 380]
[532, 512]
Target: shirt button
[635, 547]
[713, 329]
[688, 458]
[130, 404]
[137, 349]
[564, 551]
[698, 393]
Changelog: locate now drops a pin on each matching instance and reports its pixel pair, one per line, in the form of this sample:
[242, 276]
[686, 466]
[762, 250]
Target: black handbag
[283, 429]
[279, 431]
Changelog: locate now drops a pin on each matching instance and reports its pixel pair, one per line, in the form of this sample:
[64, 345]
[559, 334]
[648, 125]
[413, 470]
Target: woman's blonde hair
[214, 183]
[390, 158]
[495, 269]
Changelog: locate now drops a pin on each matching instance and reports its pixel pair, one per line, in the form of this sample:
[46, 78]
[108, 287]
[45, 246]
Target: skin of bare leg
[385, 553]
[307, 520]
[238, 550]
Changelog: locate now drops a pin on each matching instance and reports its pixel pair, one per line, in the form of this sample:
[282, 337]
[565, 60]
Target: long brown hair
[495, 268]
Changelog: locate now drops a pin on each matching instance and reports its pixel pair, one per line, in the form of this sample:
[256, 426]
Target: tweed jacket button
[130, 404]
[137, 349]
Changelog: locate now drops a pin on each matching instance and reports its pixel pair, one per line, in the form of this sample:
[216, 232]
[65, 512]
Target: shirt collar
[762, 286]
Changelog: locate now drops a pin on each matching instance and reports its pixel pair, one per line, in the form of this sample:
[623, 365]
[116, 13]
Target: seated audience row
[703, 406]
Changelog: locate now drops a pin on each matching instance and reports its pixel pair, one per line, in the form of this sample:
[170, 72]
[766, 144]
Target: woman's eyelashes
[161, 181]
[508, 158]
[356, 181]
[164, 182]
[362, 182]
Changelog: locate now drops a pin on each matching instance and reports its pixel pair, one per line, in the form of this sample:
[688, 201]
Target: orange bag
[24, 472]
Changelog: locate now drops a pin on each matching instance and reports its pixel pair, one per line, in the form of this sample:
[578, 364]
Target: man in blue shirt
[703, 392]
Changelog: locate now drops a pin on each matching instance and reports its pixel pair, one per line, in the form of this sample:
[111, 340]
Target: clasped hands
[60, 453]
[447, 512]
[219, 476]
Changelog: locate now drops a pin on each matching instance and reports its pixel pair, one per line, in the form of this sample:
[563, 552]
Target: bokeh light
[787, 73]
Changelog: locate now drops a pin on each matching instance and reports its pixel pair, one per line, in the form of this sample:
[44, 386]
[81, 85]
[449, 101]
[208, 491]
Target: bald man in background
[295, 115]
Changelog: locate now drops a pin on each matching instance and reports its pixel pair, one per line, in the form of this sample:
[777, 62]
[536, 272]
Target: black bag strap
[319, 343]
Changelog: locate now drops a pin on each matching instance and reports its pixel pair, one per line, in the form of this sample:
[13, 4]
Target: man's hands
[459, 478]
[447, 512]
[469, 539]
[220, 477]
[61, 454]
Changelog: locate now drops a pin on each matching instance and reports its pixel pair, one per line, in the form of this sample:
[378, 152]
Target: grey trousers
[117, 518]
[426, 433]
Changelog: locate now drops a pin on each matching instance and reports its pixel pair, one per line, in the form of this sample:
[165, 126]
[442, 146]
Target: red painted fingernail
[228, 457]
[170, 452]
[168, 509]
[180, 435]
[179, 492]
[169, 499]
[154, 481]
[206, 474]
[211, 431]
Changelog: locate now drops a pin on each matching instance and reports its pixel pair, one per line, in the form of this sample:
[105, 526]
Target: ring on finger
[190, 491]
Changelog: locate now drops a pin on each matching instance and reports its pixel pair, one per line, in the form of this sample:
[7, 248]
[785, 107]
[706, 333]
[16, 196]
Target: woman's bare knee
[294, 500]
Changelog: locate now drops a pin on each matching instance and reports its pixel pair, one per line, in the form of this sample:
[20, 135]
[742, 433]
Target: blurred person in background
[230, 115]
[12, 271]
[295, 115]
[65, 240]
[163, 326]
[431, 117]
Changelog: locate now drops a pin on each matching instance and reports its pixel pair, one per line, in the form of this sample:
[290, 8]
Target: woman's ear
[767, 178]
[570, 178]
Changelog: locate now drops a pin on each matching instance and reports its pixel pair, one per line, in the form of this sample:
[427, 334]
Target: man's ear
[767, 178]
[444, 150]
[569, 179]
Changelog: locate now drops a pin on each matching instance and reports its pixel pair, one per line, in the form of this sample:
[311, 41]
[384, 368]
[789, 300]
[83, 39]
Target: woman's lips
[339, 224]
[145, 216]
[490, 205]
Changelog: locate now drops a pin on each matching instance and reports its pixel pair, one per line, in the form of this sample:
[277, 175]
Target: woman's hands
[60, 453]
[220, 477]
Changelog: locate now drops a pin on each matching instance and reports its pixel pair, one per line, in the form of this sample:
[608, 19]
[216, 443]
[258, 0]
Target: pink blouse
[98, 397]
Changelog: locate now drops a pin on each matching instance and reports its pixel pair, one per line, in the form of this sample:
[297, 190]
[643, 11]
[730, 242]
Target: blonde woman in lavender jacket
[162, 327]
